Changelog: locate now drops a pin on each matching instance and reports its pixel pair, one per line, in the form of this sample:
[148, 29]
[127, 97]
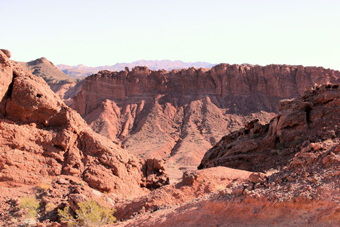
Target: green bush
[90, 214]
[31, 204]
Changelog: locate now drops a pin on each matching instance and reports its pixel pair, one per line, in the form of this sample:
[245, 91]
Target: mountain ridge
[44, 68]
[83, 70]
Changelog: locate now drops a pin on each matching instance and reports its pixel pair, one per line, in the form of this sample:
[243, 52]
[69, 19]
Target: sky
[106, 32]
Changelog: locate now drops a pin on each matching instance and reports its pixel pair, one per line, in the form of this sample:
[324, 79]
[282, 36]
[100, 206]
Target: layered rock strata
[295, 164]
[180, 114]
[249, 84]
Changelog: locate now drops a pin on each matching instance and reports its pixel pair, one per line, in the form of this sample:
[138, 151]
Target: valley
[244, 145]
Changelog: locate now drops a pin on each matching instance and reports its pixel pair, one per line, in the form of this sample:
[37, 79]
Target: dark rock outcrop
[259, 147]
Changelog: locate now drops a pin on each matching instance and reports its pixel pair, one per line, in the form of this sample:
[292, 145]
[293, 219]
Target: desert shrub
[43, 186]
[31, 204]
[90, 214]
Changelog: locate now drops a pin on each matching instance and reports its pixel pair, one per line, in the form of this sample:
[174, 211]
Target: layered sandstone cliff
[180, 114]
[247, 83]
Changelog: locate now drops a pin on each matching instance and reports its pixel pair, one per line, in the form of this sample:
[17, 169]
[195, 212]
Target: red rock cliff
[40, 137]
[272, 82]
[180, 114]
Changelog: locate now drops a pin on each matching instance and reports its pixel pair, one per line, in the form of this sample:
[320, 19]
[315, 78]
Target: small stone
[62, 181]
[325, 160]
[337, 149]
[315, 146]
[257, 178]
[237, 190]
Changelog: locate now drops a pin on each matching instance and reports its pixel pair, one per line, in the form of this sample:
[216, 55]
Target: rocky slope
[180, 114]
[295, 164]
[63, 85]
[260, 147]
[42, 67]
[43, 140]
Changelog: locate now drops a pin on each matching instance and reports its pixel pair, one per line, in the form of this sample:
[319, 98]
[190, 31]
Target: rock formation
[247, 83]
[42, 67]
[180, 114]
[63, 85]
[285, 172]
[295, 164]
[260, 147]
[41, 138]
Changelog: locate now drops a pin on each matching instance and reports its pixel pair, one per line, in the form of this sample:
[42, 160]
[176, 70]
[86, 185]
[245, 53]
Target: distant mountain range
[83, 71]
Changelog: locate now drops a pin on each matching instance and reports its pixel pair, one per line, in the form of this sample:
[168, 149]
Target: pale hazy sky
[104, 32]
